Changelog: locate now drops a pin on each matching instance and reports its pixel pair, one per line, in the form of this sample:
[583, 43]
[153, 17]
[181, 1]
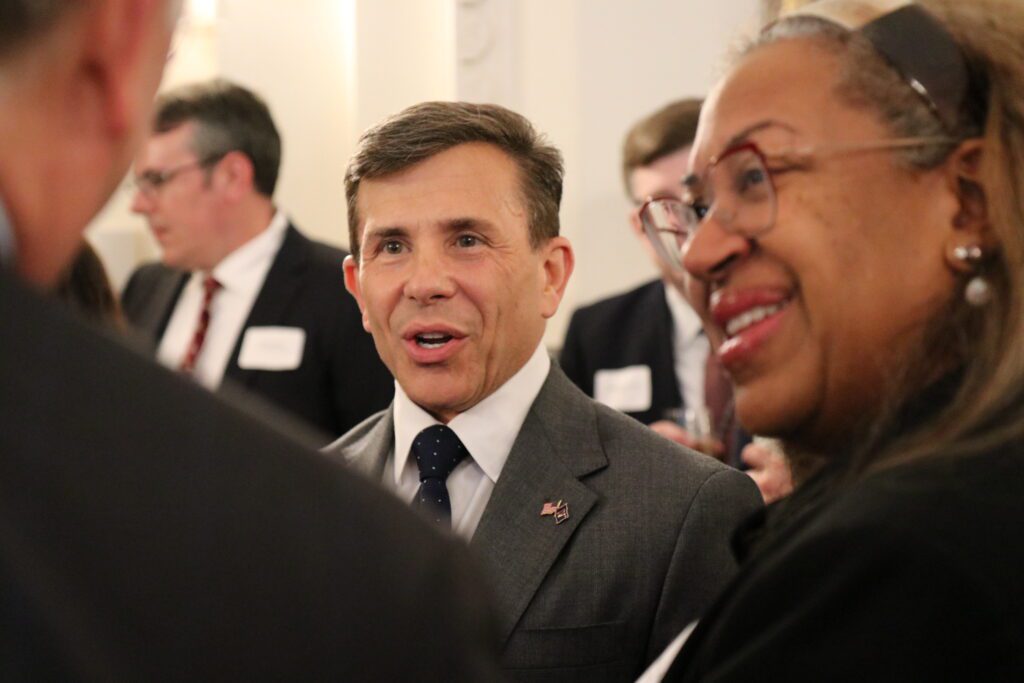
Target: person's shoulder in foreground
[154, 532]
[923, 564]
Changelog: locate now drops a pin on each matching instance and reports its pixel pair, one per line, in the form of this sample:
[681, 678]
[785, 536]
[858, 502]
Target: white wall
[581, 70]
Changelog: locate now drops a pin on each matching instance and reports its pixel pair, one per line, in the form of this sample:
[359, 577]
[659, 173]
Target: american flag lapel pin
[559, 510]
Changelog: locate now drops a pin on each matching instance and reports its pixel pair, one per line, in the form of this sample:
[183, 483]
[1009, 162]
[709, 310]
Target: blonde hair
[986, 408]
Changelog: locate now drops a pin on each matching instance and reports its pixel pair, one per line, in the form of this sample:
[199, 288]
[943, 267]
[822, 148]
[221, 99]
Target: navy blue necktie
[437, 451]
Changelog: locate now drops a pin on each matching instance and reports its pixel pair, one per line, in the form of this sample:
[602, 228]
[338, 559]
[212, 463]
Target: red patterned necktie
[188, 363]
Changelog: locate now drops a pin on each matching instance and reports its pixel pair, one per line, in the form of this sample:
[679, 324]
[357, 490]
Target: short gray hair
[227, 117]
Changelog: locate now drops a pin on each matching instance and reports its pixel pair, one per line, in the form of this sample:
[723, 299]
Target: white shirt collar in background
[690, 349]
[686, 321]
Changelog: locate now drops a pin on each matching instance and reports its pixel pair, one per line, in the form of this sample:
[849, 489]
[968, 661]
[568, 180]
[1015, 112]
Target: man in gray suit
[601, 539]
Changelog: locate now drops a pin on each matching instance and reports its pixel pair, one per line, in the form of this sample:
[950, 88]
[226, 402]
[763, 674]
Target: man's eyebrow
[693, 179]
[465, 223]
[385, 233]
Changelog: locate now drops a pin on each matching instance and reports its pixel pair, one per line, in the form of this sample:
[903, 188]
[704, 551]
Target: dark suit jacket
[341, 379]
[643, 553]
[150, 531]
[636, 328]
[911, 575]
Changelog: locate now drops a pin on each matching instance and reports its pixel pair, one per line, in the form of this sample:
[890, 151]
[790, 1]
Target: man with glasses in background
[241, 296]
[644, 352]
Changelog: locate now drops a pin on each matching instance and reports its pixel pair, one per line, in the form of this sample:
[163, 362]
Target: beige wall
[582, 70]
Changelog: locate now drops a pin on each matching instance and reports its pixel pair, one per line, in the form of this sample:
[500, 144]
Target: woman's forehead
[791, 82]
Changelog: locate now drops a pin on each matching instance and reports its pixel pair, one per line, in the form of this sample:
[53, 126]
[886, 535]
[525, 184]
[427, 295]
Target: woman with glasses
[853, 235]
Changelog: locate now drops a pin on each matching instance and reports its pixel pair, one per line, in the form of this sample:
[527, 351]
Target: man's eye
[391, 247]
[700, 209]
[466, 241]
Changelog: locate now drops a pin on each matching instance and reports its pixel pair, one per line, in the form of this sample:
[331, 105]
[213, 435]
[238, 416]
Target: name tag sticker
[627, 389]
[272, 348]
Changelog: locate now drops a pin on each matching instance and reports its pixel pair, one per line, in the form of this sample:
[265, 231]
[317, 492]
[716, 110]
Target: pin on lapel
[559, 510]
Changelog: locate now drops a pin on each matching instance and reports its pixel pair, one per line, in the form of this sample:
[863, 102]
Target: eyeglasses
[738, 190]
[149, 183]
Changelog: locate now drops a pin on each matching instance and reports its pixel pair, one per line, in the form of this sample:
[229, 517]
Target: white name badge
[272, 348]
[627, 389]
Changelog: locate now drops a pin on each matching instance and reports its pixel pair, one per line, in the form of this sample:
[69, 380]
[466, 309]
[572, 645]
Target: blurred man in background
[644, 352]
[241, 296]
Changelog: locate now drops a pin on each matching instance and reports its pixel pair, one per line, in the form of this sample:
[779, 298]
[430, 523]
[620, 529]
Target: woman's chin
[774, 409]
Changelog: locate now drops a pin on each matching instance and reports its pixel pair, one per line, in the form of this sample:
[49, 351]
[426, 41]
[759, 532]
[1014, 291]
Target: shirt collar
[237, 269]
[685, 320]
[8, 242]
[488, 429]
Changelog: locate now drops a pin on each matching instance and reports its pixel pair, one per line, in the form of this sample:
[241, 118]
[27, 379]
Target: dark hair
[424, 130]
[22, 20]
[667, 130]
[228, 117]
[85, 287]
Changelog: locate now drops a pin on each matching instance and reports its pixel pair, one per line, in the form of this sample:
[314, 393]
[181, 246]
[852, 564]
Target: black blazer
[341, 379]
[914, 574]
[634, 328]
[150, 531]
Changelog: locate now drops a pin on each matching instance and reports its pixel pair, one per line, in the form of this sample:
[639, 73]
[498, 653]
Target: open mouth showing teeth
[432, 340]
[751, 317]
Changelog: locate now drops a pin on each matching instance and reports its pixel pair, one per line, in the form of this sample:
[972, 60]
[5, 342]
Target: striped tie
[188, 363]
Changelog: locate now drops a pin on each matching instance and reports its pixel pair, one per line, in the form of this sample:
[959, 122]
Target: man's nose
[429, 277]
[141, 202]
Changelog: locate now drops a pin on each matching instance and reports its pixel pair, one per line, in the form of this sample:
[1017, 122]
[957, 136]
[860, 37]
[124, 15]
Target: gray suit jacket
[644, 552]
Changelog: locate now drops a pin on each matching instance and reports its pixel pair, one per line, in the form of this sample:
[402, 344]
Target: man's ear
[969, 226]
[236, 175]
[636, 223]
[351, 266]
[120, 40]
[558, 265]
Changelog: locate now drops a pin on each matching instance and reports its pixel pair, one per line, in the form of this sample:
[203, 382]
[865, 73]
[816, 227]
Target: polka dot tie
[437, 451]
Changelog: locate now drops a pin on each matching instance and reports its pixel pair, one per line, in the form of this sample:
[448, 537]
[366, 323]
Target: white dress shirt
[487, 430]
[241, 275]
[690, 349]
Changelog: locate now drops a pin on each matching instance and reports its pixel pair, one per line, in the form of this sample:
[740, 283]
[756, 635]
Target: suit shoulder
[354, 439]
[626, 439]
[149, 272]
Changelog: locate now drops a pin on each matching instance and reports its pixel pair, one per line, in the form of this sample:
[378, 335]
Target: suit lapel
[153, 318]
[369, 454]
[556, 447]
[280, 288]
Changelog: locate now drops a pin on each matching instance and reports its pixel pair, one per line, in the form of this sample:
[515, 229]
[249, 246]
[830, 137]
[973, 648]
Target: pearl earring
[978, 291]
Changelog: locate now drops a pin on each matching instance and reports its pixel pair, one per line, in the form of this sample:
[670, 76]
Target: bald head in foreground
[149, 531]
